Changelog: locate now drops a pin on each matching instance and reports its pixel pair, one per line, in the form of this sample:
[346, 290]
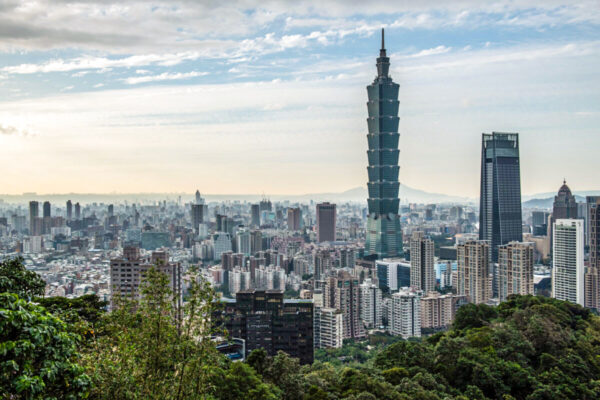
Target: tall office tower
[77, 211]
[473, 277]
[127, 274]
[255, 213]
[265, 320]
[256, 244]
[384, 235]
[515, 269]
[328, 328]
[370, 304]
[110, 211]
[343, 293]
[438, 310]
[567, 261]
[69, 210]
[590, 201]
[198, 197]
[47, 209]
[34, 212]
[265, 205]
[539, 223]
[592, 276]
[565, 205]
[326, 222]
[405, 314]
[422, 272]
[197, 216]
[500, 219]
[294, 217]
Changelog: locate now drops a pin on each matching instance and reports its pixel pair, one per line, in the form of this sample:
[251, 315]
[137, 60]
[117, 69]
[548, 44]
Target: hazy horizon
[261, 97]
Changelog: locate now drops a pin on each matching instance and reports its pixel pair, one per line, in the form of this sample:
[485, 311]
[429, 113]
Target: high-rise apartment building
[328, 328]
[438, 310]
[515, 269]
[265, 320]
[567, 261]
[77, 211]
[370, 304]
[384, 235]
[127, 274]
[474, 275]
[422, 272]
[322, 263]
[326, 222]
[294, 218]
[243, 240]
[500, 217]
[342, 292]
[405, 313]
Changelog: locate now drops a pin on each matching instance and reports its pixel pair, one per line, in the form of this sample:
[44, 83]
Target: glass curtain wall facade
[384, 235]
[500, 217]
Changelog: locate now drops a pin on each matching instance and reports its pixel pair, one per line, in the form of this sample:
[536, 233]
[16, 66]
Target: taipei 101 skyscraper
[384, 235]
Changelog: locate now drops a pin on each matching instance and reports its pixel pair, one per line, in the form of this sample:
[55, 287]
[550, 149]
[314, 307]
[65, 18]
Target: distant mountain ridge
[357, 194]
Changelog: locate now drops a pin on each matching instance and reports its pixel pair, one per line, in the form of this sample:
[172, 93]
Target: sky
[258, 96]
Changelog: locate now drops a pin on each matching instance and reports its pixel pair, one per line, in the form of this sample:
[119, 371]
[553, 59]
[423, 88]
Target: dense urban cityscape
[325, 277]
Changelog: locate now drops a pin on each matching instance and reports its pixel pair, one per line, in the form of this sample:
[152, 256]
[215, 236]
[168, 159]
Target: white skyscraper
[405, 313]
[328, 328]
[370, 304]
[567, 263]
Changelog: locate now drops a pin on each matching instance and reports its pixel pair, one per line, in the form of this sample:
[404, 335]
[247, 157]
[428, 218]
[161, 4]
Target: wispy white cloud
[102, 63]
[10, 130]
[165, 76]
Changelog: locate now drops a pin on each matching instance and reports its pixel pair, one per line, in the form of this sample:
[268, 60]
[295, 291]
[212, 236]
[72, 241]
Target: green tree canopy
[15, 278]
[36, 353]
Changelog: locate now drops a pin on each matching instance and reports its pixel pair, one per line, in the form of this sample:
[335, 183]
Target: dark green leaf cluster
[15, 278]
[36, 352]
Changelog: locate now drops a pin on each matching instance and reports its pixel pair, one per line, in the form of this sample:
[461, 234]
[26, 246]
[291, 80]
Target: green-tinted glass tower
[384, 235]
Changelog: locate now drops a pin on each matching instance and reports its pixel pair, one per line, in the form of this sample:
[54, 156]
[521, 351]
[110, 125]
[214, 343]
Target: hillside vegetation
[527, 348]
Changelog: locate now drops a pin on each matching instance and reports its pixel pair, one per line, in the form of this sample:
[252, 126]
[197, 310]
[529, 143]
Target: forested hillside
[527, 348]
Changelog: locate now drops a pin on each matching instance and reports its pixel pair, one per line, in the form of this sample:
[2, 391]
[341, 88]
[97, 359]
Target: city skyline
[271, 100]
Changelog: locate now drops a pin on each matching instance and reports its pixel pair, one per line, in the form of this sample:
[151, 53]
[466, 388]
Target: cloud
[10, 130]
[161, 26]
[102, 63]
[430, 52]
[163, 77]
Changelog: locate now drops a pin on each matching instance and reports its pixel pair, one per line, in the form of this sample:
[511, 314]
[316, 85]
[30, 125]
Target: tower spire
[383, 62]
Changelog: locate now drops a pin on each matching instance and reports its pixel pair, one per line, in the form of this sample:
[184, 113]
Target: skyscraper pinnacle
[383, 62]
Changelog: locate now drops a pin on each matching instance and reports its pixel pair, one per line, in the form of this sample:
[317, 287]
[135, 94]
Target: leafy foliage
[15, 278]
[36, 352]
[528, 348]
[149, 351]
